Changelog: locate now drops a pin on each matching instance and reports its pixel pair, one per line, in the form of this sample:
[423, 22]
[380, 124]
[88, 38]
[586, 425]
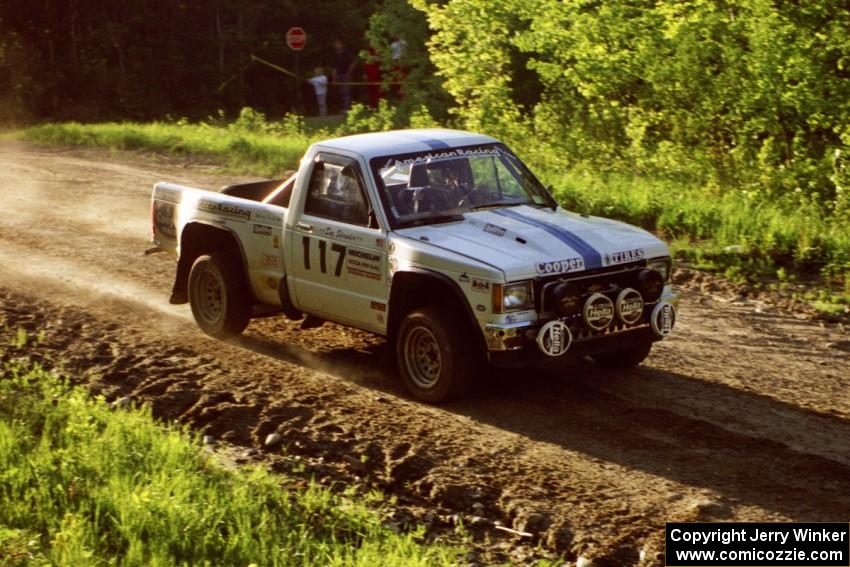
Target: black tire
[434, 356]
[218, 295]
[623, 358]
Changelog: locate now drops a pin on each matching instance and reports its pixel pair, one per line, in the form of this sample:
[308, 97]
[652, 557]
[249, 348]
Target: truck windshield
[433, 186]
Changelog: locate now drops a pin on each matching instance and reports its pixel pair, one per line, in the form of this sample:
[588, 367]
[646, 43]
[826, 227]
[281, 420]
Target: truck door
[339, 253]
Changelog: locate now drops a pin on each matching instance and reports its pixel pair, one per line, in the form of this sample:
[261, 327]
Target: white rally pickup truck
[440, 240]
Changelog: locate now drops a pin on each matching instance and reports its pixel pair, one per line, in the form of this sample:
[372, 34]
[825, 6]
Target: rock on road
[743, 414]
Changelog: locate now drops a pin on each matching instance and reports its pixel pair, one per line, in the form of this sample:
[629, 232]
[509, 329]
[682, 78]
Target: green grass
[81, 484]
[249, 144]
[745, 235]
[727, 232]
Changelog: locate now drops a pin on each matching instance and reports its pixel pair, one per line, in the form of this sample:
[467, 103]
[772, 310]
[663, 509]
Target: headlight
[663, 266]
[512, 297]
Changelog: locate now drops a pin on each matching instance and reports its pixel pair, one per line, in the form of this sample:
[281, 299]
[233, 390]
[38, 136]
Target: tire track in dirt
[741, 415]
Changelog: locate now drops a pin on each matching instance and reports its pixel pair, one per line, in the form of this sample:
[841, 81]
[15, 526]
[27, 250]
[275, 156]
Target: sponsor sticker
[493, 229]
[481, 307]
[480, 285]
[463, 278]
[267, 217]
[363, 263]
[339, 234]
[663, 318]
[225, 210]
[625, 256]
[170, 195]
[554, 338]
[560, 266]
[378, 306]
[271, 260]
[629, 306]
[262, 230]
[433, 157]
[598, 311]
[275, 241]
[164, 220]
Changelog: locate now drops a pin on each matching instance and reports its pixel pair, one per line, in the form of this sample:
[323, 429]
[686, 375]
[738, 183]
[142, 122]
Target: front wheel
[218, 296]
[623, 358]
[433, 356]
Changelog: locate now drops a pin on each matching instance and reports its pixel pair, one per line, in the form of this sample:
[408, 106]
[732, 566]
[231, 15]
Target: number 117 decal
[338, 248]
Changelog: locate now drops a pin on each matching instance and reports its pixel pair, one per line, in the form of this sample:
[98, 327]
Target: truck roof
[405, 141]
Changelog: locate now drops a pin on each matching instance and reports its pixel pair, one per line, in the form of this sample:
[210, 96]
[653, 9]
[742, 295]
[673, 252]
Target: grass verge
[82, 484]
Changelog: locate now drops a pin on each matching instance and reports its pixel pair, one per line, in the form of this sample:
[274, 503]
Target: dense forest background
[743, 96]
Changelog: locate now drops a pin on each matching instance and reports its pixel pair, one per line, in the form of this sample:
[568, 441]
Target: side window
[336, 193]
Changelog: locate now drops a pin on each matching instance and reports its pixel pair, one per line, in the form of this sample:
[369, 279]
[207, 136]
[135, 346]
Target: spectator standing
[372, 71]
[320, 86]
[399, 71]
[343, 71]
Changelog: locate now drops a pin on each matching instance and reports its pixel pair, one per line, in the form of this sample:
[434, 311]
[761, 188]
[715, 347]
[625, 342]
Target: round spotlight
[663, 318]
[598, 311]
[566, 297]
[629, 306]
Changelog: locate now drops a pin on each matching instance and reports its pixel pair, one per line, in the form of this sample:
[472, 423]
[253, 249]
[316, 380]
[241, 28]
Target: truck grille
[608, 281]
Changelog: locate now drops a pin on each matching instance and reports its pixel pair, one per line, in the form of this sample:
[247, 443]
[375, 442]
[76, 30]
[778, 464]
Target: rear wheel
[434, 357]
[623, 358]
[218, 296]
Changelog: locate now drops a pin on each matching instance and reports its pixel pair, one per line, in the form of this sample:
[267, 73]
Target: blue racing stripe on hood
[592, 258]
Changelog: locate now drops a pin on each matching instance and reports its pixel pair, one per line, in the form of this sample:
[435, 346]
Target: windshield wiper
[435, 219]
[498, 204]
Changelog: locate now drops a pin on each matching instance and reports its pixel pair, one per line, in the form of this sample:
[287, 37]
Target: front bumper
[521, 336]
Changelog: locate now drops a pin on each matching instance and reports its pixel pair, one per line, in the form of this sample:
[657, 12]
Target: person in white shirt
[320, 86]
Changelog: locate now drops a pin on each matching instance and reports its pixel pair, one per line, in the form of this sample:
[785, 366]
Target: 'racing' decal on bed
[225, 209]
[592, 258]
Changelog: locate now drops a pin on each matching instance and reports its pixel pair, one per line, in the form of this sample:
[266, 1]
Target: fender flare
[458, 295]
[181, 277]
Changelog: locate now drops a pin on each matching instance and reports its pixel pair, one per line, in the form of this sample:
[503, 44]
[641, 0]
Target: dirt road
[744, 414]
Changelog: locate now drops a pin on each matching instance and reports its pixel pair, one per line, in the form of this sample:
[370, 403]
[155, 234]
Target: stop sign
[296, 38]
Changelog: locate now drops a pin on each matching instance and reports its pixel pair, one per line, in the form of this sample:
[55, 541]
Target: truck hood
[526, 242]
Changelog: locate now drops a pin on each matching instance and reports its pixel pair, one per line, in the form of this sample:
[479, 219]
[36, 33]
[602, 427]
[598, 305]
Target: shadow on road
[781, 457]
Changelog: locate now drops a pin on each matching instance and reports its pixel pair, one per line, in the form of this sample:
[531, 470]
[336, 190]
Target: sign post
[296, 39]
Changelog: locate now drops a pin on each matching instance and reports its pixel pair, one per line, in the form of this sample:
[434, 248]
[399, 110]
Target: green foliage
[751, 94]
[360, 119]
[732, 116]
[398, 20]
[81, 484]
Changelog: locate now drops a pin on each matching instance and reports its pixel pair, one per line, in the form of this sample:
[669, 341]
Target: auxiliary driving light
[566, 298]
[629, 306]
[650, 284]
[598, 311]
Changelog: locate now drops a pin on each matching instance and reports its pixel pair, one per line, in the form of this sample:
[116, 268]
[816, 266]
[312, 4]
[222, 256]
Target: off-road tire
[219, 296]
[435, 357]
[623, 358]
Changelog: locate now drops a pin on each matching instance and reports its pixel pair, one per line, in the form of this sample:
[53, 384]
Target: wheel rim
[422, 357]
[209, 291]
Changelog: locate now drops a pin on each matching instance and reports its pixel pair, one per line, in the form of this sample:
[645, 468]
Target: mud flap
[286, 301]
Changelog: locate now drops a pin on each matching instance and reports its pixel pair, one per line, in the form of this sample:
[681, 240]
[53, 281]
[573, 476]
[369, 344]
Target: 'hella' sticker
[554, 338]
[663, 318]
[629, 306]
[598, 311]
